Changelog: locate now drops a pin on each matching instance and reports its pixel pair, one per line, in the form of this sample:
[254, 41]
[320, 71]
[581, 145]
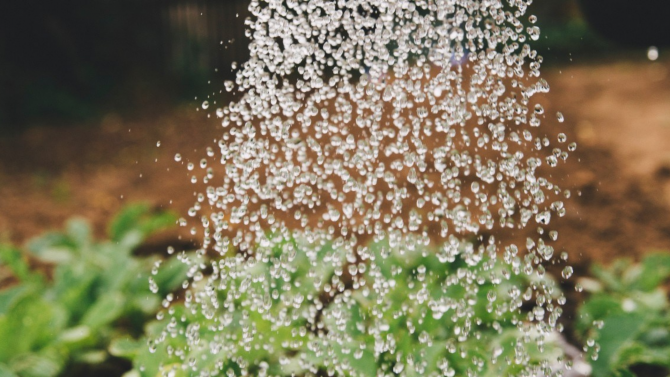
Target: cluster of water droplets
[350, 210]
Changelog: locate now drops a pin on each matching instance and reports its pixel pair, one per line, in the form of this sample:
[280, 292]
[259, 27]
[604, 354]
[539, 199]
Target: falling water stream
[354, 198]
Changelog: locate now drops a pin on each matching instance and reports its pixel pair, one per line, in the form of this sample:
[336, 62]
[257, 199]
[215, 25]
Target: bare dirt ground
[617, 111]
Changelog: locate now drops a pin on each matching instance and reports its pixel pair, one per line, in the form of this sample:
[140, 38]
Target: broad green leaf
[75, 335]
[366, 365]
[619, 331]
[655, 300]
[597, 307]
[118, 276]
[174, 369]
[126, 220]
[107, 309]
[130, 240]
[79, 231]
[655, 270]
[158, 221]
[31, 324]
[91, 357]
[138, 217]
[74, 289]
[631, 276]
[49, 240]
[609, 277]
[171, 275]
[147, 364]
[9, 296]
[55, 254]
[638, 353]
[146, 302]
[125, 347]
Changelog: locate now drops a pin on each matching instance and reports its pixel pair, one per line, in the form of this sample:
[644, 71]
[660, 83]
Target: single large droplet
[567, 272]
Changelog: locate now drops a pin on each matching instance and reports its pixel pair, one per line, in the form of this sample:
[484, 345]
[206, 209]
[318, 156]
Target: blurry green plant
[627, 316]
[98, 291]
[98, 304]
[221, 342]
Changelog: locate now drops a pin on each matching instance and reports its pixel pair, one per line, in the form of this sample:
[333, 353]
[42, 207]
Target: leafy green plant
[98, 291]
[627, 316]
[219, 341]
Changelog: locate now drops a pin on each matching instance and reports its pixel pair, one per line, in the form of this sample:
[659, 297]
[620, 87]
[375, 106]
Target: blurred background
[89, 88]
[96, 97]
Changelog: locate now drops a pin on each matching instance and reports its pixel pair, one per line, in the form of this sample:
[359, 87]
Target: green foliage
[97, 303]
[492, 347]
[627, 315]
[98, 291]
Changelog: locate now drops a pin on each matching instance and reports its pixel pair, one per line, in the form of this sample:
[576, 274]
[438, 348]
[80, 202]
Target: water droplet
[567, 272]
[367, 160]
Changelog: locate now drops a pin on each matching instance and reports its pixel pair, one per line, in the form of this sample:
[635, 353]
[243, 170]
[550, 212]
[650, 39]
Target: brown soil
[618, 112]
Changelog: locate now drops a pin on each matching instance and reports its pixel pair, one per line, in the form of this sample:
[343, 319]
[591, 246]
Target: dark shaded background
[75, 60]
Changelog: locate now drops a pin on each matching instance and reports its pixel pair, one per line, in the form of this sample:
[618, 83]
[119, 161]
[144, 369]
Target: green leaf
[49, 240]
[126, 347]
[597, 307]
[104, 311]
[657, 336]
[146, 302]
[619, 331]
[6, 372]
[47, 364]
[74, 289]
[91, 357]
[132, 373]
[13, 258]
[655, 270]
[79, 231]
[655, 300]
[75, 335]
[119, 275]
[365, 366]
[126, 221]
[608, 277]
[10, 296]
[31, 324]
[171, 275]
[637, 353]
[55, 254]
[138, 218]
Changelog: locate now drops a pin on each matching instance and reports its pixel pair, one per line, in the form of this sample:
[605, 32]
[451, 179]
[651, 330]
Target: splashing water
[348, 226]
